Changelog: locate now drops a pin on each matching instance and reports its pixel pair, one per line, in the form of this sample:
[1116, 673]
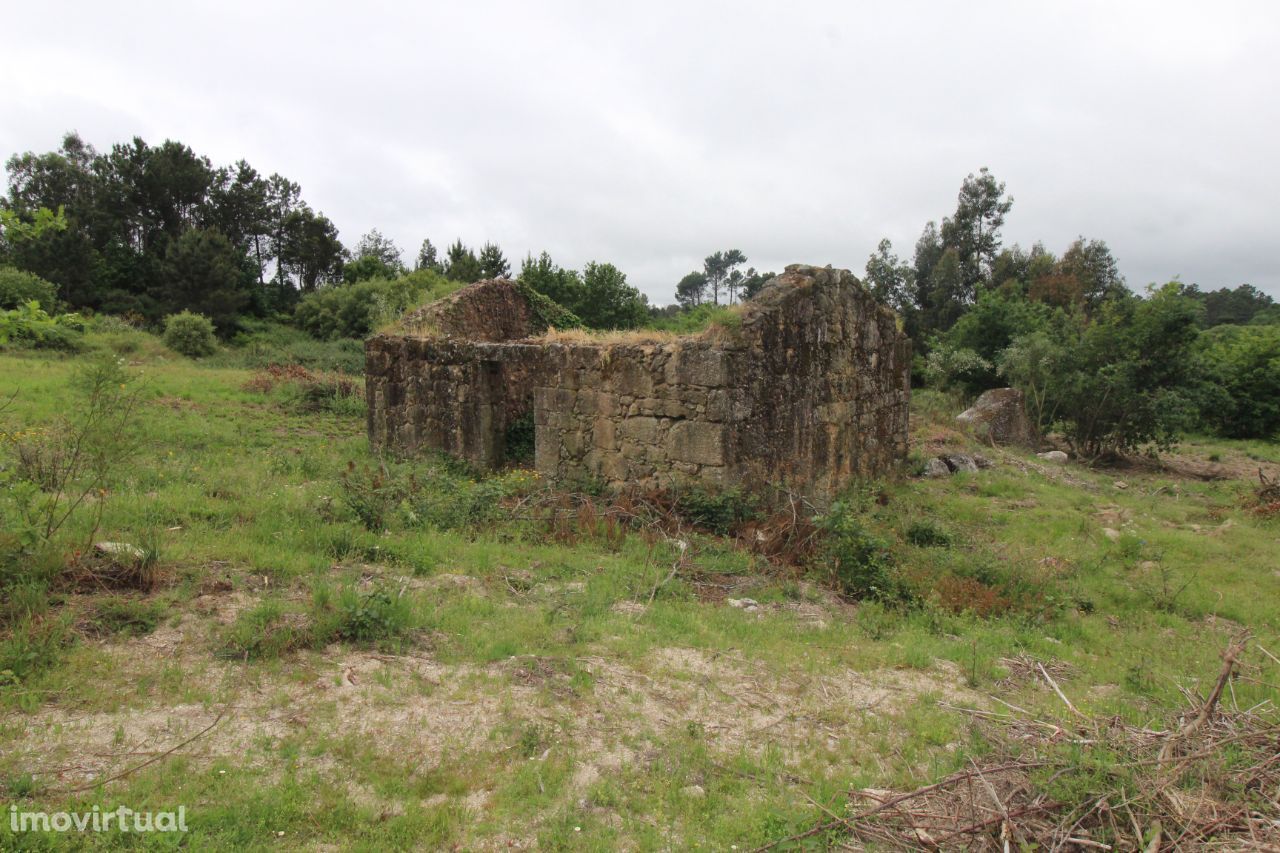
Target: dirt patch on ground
[424, 712]
[741, 704]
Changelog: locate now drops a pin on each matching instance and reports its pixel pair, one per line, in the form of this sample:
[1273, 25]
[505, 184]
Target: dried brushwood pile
[1208, 780]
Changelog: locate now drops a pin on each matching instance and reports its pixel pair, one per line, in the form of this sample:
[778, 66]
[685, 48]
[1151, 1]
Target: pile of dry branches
[1266, 499]
[1210, 780]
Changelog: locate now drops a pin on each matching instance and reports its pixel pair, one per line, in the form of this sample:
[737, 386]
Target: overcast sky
[651, 134]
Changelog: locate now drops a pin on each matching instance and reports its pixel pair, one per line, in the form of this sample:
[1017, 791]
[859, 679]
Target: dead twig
[97, 782]
[1229, 659]
[1057, 689]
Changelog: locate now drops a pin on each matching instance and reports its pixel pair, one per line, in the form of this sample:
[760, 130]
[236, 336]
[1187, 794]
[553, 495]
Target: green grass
[404, 666]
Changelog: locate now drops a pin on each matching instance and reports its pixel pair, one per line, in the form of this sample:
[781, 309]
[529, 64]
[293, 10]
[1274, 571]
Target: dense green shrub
[18, 287]
[361, 616]
[190, 335]
[698, 318]
[1124, 378]
[31, 326]
[859, 564]
[1129, 379]
[1267, 317]
[1242, 397]
[263, 343]
[949, 368]
[926, 534]
[717, 510]
[356, 310]
[986, 329]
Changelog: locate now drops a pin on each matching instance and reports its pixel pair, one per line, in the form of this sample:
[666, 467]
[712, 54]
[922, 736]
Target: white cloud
[651, 135]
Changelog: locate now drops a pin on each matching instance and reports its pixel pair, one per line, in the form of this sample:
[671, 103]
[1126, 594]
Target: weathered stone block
[546, 451]
[607, 405]
[696, 441]
[604, 434]
[1000, 416]
[702, 366]
[641, 430]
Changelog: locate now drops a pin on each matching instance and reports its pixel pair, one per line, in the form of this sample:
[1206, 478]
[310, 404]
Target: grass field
[324, 654]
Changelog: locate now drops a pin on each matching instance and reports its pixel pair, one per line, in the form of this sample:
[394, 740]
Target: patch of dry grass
[615, 337]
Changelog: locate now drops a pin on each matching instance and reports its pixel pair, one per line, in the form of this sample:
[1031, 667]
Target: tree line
[149, 231]
[1110, 369]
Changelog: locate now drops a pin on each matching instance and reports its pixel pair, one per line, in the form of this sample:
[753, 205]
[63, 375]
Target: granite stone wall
[809, 392]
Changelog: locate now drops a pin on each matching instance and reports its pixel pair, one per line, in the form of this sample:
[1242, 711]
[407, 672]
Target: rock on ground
[953, 463]
[1000, 415]
[121, 552]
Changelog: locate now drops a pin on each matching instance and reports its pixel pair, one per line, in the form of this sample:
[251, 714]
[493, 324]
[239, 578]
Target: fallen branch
[1057, 689]
[1229, 659]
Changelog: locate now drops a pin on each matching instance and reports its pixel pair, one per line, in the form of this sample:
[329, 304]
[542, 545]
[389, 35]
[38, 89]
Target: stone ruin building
[807, 392]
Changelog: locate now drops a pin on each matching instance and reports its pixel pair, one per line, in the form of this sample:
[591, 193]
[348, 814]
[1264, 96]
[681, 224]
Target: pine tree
[463, 265]
[428, 258]
[493, 264]
[692, 289]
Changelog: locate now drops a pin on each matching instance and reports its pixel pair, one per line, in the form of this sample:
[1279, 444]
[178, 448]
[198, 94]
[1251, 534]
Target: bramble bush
[719, 511]
[190, 335]
[436, 496]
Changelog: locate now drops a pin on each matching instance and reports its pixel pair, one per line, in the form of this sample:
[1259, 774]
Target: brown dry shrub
[960, 594]
[570, 517]
[41, 457]
[786, 537]
[314, 390]
[1267, 510]
[265, 380]
[95, 572]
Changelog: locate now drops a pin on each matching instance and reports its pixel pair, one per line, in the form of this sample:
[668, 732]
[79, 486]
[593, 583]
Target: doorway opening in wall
[510, 420]
[518, 440]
